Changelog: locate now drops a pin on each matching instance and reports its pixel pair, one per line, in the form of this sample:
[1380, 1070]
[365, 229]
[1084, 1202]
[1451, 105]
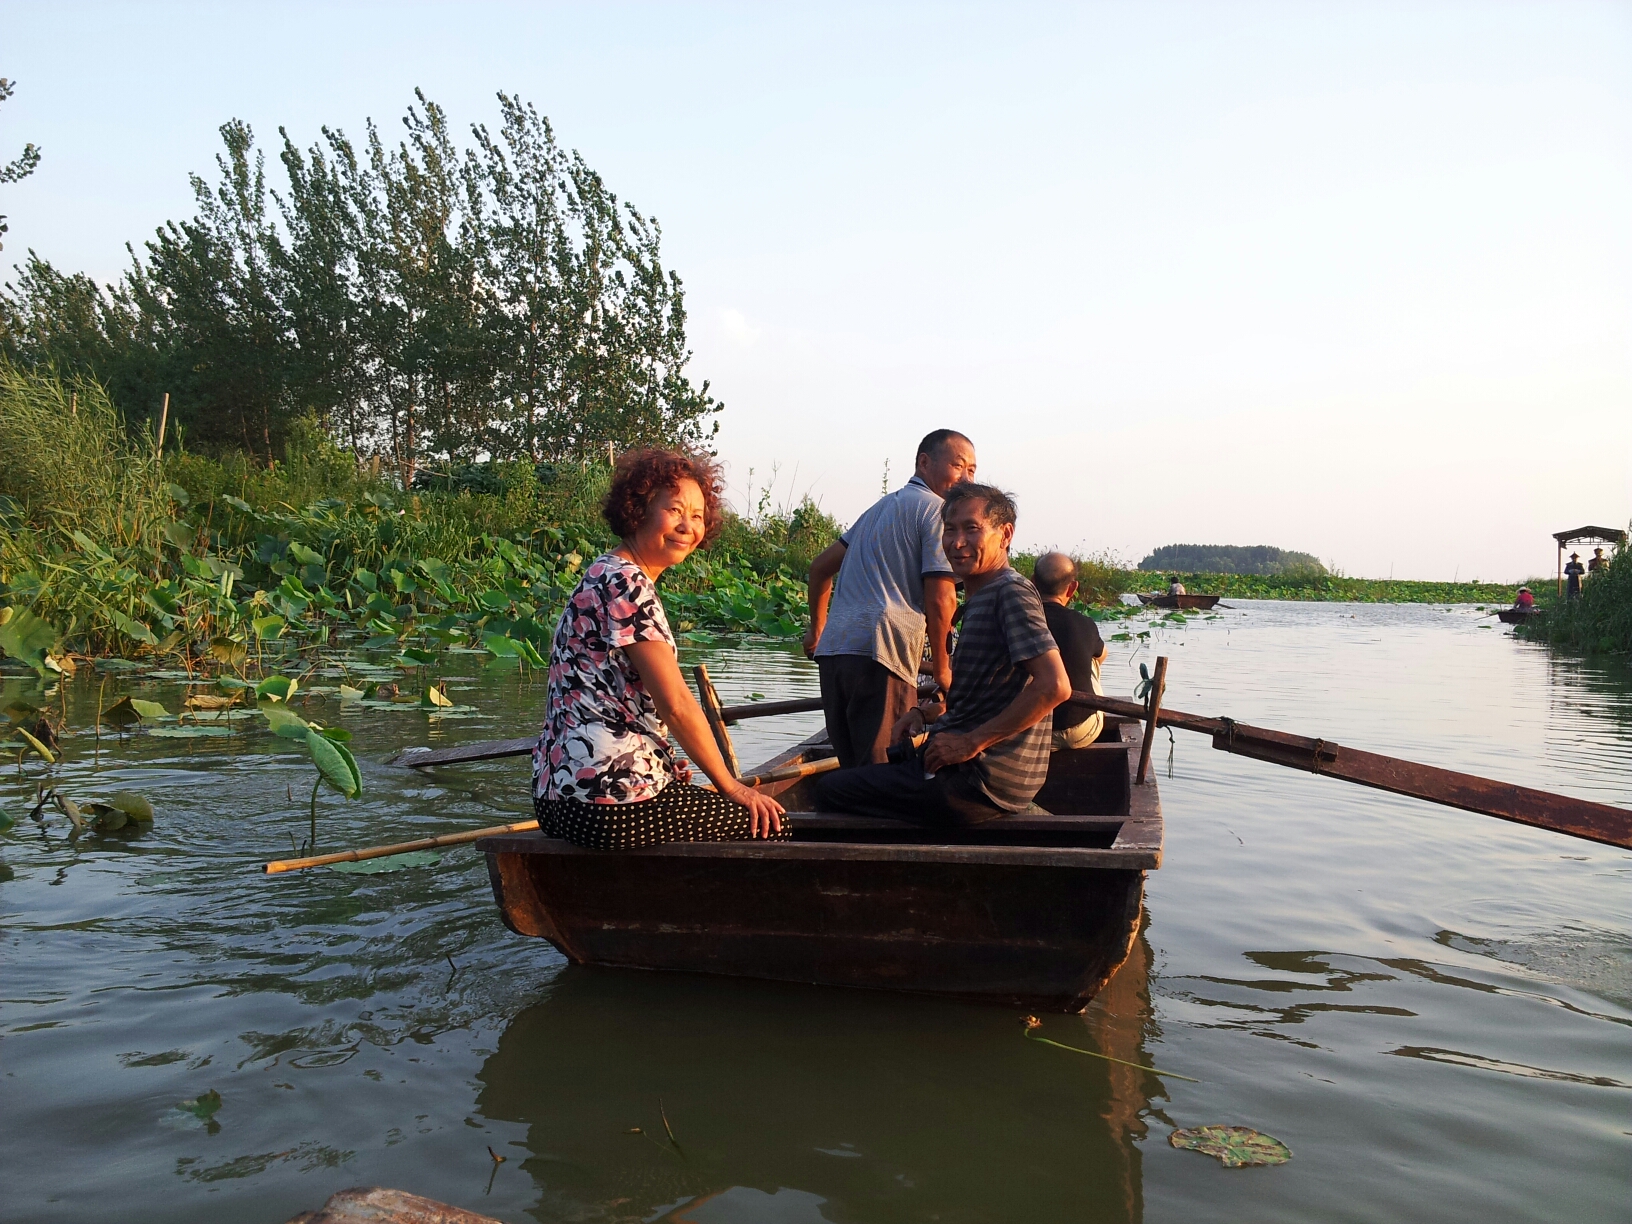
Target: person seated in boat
[1082, 649]
[891, 587]
[1525, 600]
[604, 772]
[1175, 587]
[987, 755]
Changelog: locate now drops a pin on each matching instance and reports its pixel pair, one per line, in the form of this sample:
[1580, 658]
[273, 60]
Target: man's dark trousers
[861, 699]
[899, 791]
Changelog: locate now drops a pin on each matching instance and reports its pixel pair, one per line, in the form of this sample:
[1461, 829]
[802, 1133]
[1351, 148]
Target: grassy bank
[107, 549]
[1599, 622]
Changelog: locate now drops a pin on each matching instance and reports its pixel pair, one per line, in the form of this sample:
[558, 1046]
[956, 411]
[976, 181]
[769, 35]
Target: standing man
[1598, 562]
[1082, 649]
[894, 584]
[987, 755]
[1572, 577]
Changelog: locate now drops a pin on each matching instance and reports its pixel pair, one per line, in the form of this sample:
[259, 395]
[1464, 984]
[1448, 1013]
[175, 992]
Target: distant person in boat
[893, 587]
[1598, 562]
[604, 772]
[1525, 600]
[1175, 587]
[987, 754]
[1572, 577]
[1082, 649]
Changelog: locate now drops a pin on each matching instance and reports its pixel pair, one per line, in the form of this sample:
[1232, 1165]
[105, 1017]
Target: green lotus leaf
[277, 688]
[336, 764]
[283, 721]
[1235, 1146]
[391, 862]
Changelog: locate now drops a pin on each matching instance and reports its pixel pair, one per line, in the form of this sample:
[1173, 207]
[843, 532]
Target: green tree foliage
[425, 303]
[21, 166]
[1260, 560]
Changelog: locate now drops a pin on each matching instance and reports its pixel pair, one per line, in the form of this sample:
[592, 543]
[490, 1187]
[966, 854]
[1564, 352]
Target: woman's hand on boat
[766, 812]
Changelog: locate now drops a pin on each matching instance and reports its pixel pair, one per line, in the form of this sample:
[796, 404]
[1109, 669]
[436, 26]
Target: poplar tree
[425, 303]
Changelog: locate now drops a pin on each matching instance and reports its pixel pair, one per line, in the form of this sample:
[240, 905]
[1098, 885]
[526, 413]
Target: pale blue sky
[1354, 278]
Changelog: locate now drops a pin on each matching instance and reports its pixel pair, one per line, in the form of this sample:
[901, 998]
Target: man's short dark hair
[935, 439]
[1052, 573]
[999, 506]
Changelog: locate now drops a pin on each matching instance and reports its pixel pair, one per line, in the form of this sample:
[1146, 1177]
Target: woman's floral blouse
[603, 741]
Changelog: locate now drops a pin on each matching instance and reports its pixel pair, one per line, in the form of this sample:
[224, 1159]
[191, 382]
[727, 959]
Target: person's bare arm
[1046, 688]
[822, 572]
[940, 605]
[660, 673]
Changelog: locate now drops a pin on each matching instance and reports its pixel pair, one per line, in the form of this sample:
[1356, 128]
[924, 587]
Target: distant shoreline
[1104, 584]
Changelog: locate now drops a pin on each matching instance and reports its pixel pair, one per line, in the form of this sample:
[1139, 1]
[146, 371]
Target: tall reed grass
[67, 463]
[1598, 622]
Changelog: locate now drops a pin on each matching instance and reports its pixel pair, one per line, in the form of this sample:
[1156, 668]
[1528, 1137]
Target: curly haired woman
[604, 772]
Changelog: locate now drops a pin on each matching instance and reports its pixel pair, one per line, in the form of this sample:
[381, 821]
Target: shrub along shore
[108, 547]
[1600, 622]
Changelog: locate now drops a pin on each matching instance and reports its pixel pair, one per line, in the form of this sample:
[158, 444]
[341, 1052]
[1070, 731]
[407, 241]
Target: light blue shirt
[878, 597]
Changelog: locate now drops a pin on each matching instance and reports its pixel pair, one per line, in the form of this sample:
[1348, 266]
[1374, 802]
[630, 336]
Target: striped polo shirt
[1003, 626]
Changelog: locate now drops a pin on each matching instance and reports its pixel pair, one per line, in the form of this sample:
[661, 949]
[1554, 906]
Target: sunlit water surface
[1432, 1009]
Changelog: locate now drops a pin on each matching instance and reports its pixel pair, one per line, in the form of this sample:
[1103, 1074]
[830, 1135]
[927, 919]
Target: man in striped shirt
[987, 755]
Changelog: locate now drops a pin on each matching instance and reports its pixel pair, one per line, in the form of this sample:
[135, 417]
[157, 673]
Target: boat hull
[1196, 603]
[1515, 616]
[1035, 910]
[1028, 935]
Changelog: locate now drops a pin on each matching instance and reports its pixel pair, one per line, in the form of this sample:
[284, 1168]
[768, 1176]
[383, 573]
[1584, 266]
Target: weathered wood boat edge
[1059, 920]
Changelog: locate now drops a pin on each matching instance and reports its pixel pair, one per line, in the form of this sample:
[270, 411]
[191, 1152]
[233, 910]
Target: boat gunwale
[1136, 847]
[1089, 858]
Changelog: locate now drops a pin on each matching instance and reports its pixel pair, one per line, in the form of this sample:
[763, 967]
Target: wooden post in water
[1153, 704]
[716, 720]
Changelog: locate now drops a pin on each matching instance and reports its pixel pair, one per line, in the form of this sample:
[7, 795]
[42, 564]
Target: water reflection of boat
[1036, 910]
[1198, 603]
[792, 1104]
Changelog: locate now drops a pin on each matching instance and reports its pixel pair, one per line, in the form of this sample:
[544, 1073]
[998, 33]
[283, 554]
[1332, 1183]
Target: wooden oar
[1599, 822]
[492, 750]
[788, 773]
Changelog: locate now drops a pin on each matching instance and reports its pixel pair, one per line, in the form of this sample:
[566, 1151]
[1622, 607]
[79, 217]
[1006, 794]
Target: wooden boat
[1516, 616]
[1036, 910]
[1198, 603]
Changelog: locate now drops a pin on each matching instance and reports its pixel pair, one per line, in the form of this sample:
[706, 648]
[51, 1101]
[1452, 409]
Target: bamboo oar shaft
[494, 750]
[371, 852]
[787, 773]
[1599, 822]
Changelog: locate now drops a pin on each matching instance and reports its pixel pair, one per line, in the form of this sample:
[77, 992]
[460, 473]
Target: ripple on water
[1429, 1007]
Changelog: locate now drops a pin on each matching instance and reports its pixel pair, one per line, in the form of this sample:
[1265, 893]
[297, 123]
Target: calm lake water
[1432, 1009]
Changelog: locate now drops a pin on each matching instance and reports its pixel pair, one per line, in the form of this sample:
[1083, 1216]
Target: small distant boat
[1198, 603]
[1516, 616]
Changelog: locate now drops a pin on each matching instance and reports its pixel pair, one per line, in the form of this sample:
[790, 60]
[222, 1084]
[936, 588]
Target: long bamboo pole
[787, 773]
[493, 750]
[1540, 809]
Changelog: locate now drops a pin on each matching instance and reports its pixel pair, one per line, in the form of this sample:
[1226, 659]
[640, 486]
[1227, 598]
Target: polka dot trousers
[680, 812]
